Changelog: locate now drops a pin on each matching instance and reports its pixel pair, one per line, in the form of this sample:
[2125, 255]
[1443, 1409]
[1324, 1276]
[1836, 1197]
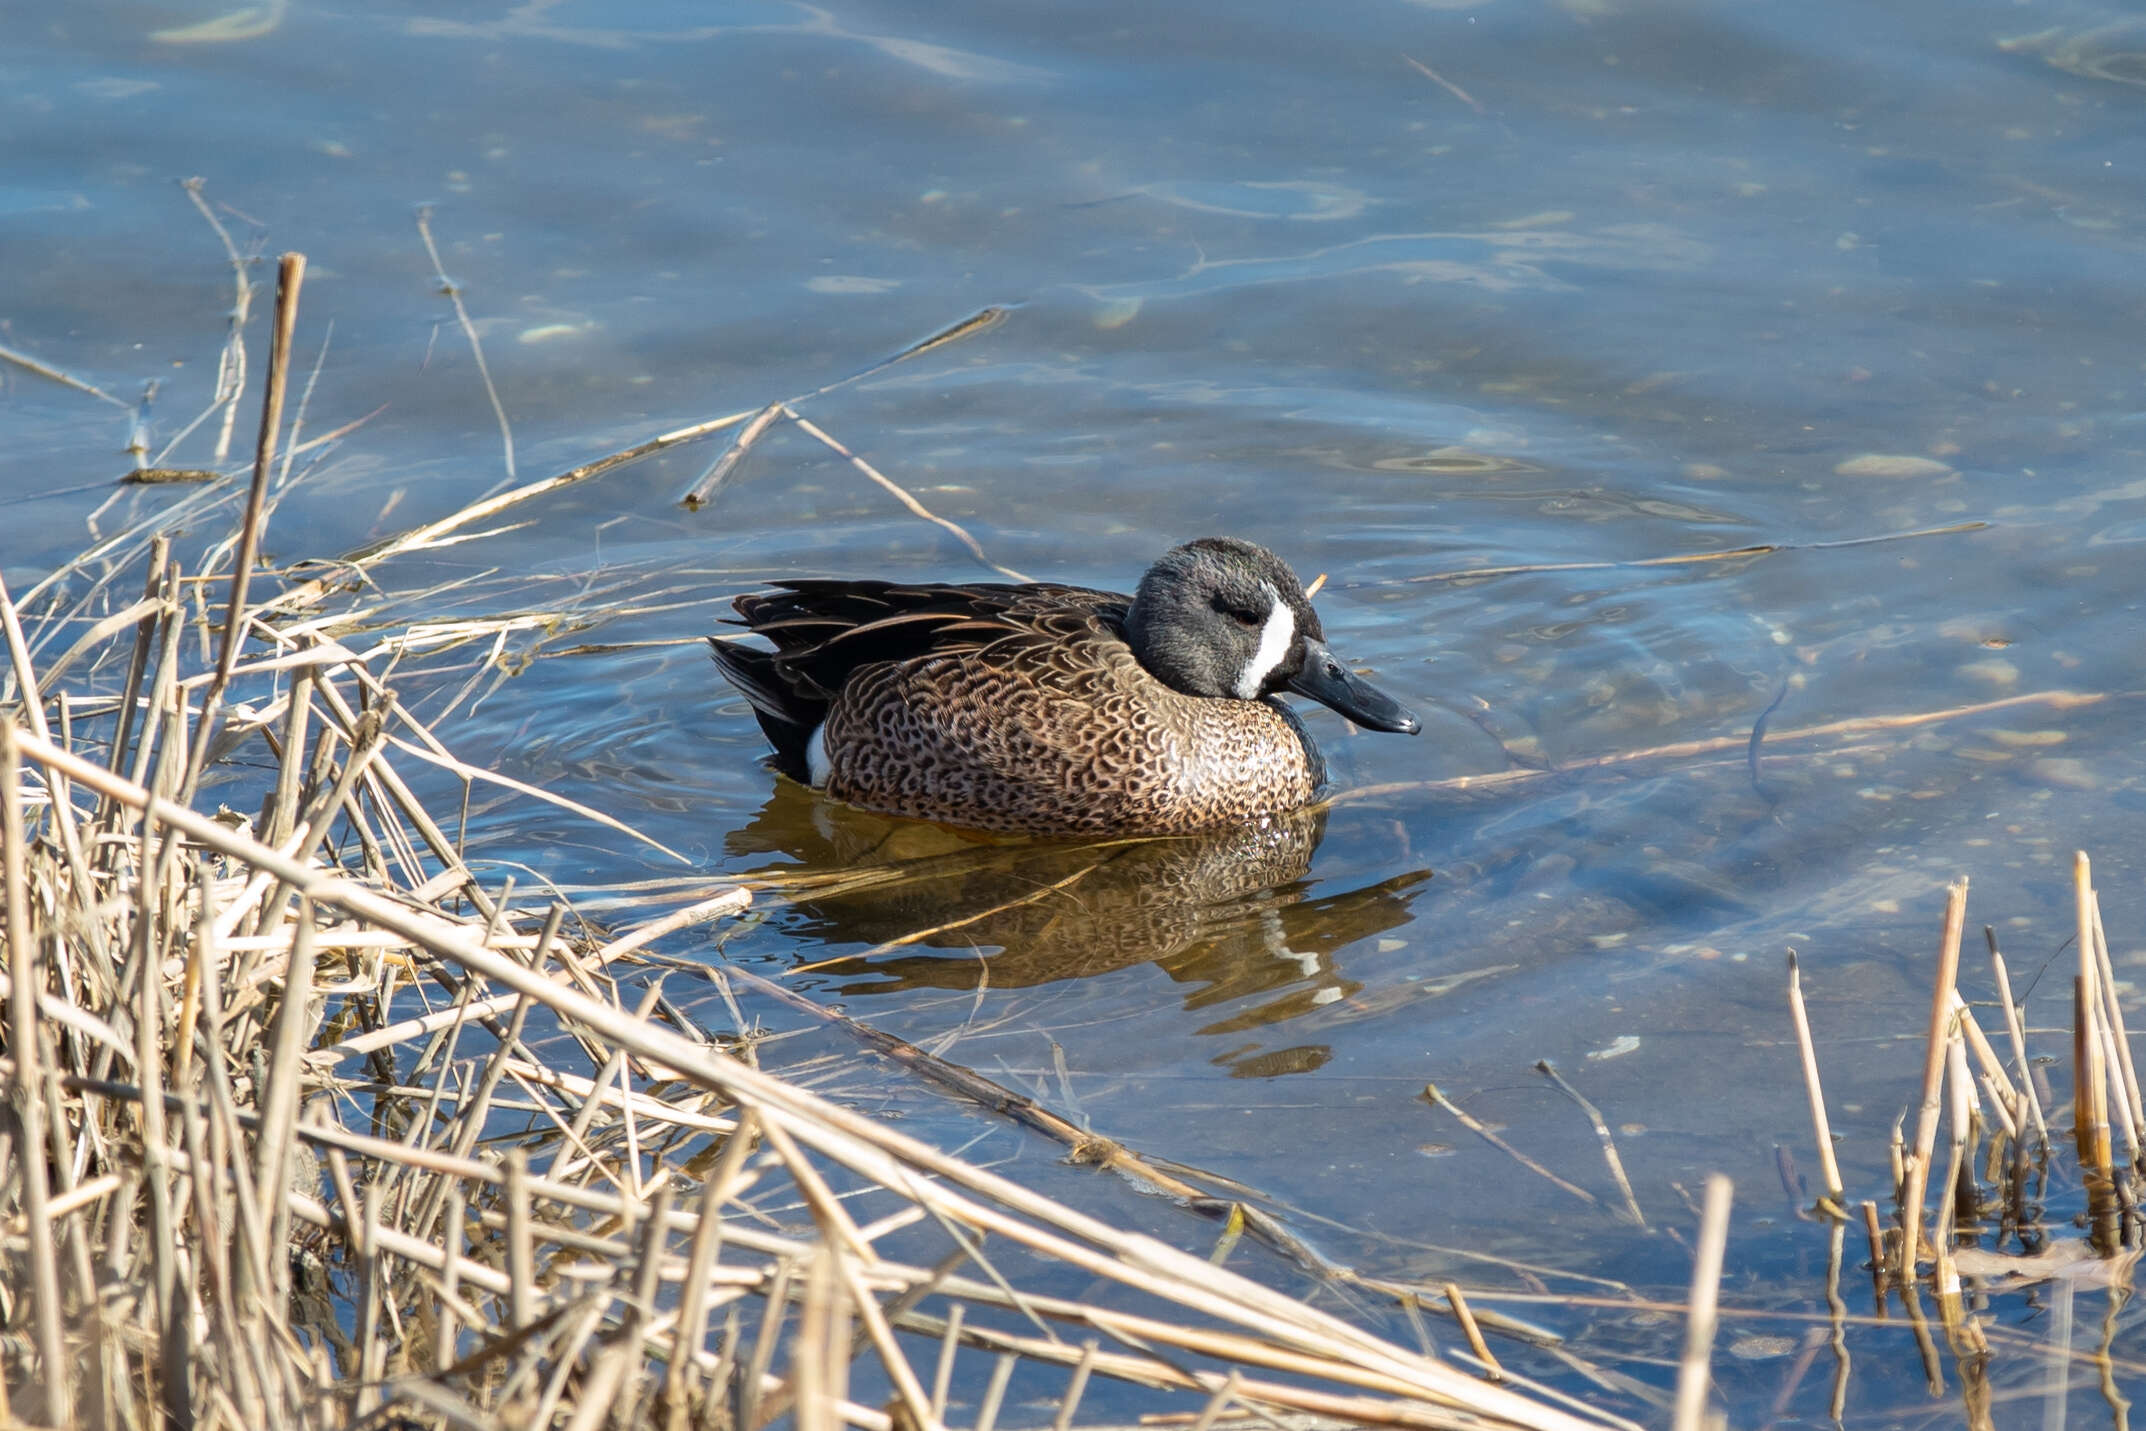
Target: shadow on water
[1231, 912]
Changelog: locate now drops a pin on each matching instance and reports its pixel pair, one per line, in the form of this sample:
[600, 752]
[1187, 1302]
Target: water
[1607, 284]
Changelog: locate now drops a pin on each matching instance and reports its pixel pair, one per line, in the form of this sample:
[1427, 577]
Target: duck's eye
[1242, 615]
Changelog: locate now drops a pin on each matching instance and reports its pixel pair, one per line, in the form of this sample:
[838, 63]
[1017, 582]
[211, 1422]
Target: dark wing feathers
[786, 715]
[826, 630]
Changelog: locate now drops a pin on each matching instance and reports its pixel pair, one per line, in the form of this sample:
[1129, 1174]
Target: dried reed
[1980, 1239]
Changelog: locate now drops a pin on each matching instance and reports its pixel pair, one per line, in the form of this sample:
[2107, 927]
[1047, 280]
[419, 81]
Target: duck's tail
[788, 718]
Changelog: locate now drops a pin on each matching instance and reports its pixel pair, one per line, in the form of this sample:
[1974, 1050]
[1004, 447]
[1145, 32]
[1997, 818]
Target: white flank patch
[1275, 639]
[816, 756]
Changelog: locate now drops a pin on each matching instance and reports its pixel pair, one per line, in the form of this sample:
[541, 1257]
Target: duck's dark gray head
[1221, 617]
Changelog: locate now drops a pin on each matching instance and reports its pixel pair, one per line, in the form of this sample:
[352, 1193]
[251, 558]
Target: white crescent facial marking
[1275, 639]
[816, 763]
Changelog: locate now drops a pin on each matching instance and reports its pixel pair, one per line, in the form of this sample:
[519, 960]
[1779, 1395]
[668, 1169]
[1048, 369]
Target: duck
[1037, 708]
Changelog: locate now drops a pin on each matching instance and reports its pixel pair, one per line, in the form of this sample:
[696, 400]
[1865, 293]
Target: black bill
[1330, 683]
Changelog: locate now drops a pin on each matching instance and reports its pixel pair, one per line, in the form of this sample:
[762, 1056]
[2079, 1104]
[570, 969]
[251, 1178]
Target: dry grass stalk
[2003, 1096]
[1082, 1145]
[1938, 1037]
[290, 278]
[2129, 1104]
[26, 1101]
[1483, 573]
[1603, 1136]
[1473, 1332]
[1738, 746]
[1835, 1200]
[1693, 1374]
[2090, 1121]
[719, 470]
[65, 379]
[452, 291]
[231, 365]
[900, 494]
[1874, 1234]
[1437, 1098]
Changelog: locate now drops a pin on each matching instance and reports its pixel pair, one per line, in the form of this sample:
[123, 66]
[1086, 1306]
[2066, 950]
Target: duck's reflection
[1229, 912]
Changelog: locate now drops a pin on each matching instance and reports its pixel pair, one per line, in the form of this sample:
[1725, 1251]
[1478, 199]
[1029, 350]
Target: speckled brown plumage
[1021, 708]
[1026, 708]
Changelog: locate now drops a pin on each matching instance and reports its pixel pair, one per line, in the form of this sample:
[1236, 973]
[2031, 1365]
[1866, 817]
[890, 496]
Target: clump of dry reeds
[307, 1126]
[1992, 1225]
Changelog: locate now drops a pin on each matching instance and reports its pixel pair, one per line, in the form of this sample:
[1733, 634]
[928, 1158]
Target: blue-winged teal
[1048, 709]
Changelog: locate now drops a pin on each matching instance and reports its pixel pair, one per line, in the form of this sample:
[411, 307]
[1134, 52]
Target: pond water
[1490, 311]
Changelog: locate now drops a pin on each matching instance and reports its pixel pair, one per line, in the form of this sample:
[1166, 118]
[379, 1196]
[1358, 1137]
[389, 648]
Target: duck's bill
[1330, 683]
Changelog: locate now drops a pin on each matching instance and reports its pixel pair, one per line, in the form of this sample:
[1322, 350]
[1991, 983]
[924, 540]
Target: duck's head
[1225, 618]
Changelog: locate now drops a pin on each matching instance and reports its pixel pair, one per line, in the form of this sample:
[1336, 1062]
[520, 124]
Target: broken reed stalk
[2003, 1094]
[1474, 1333]
[2090, 1121]
[1960, 1121]
[1874, 1236]
[900, 493]
[290, 278]
[26, 1089]
[2015, 1027]
[1836, 1194]
[719, 470]
[1958, 1186]
[2119, 1039]
[452, 291]
[1438, 1098]
[1939, 1034]
[1602, 1136]
[1694, 1374]
[1738, 746]
[231, 363]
